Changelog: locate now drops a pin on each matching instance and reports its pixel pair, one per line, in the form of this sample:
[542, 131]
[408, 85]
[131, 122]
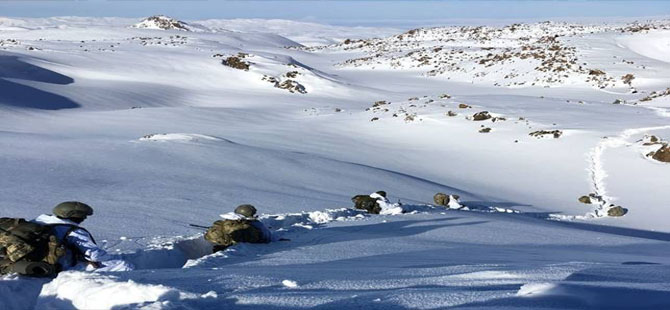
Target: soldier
[82, 252]
[376, 203]
[242, 225]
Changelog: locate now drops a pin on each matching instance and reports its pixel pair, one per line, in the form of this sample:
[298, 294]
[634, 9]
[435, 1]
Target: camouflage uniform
[236, 228]
[367, 203]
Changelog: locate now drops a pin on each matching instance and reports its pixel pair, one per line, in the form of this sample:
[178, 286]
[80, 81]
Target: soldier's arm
[84, 243]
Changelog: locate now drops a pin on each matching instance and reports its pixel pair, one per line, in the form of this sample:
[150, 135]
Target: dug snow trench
[83, 290]
[246, 276]
[190, 251]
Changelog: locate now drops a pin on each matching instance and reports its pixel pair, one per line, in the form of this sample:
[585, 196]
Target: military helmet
[72, 209]
[246, 210]
[381, 193]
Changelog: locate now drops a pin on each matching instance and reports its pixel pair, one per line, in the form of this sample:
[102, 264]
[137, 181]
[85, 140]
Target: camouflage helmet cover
[72, 209]
[246, 210]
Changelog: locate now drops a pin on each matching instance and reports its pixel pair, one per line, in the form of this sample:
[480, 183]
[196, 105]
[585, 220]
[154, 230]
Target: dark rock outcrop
[541, 133]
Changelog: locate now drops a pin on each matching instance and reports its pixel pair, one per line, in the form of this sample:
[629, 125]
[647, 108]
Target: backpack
[28, 248]
[225, 233]
[367, 203]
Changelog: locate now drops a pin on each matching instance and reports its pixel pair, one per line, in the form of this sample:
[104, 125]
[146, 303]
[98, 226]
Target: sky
[351, 12]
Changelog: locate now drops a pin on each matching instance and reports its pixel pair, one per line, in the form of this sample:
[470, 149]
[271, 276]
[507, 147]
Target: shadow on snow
[24, 96]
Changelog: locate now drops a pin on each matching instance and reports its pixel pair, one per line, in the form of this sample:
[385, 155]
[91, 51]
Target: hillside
[554, 135]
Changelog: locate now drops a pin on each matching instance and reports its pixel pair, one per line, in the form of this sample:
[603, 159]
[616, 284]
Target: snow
[289, 283]
[156, 133]
[86, 291]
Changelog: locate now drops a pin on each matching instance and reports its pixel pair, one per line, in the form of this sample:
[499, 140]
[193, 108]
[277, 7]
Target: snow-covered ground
[159, 128]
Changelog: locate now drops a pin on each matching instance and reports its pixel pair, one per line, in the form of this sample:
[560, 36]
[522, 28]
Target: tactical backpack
[225, 233]
[367, 203]
[28, 248]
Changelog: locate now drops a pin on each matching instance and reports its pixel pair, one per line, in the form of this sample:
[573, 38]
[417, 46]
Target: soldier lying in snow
[53, 243]
[239, 226]
[376, 203]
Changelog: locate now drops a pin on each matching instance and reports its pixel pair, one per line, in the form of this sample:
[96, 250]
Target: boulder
[236, 62]
[541, 133]
[292, 86]
[379, 103]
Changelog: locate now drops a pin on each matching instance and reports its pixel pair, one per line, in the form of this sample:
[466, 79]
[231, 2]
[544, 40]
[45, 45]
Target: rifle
[198, 226]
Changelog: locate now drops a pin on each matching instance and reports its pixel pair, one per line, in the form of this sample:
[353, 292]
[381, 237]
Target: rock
[617, 211]
[379, 103]
[619, 101]
[444, 96]
[338, 110]
[596, 72]
[464, 106]
[541, 133]
[662, 155]
[292, 86]
[451, 113]
[628, 79]
[292, 74]
[585, 199]
[270, 79]
[236, 62]
[481, 116]
[485, 130]
[374, 119]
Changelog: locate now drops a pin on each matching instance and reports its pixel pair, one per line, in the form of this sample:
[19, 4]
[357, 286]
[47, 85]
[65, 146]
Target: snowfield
[552, 134]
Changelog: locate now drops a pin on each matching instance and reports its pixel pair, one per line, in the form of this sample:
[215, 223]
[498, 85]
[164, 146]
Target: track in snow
[597, 170]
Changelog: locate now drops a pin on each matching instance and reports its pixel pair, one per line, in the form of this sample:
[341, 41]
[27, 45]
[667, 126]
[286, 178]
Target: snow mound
[162, 22]
[289, 283]
[187, 137]
[534, 289]
[82, 290]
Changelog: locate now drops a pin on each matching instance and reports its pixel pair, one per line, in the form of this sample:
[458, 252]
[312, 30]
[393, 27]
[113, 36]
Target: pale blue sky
[350, 12]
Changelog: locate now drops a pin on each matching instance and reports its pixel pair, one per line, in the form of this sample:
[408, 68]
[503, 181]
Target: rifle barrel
[198, 226]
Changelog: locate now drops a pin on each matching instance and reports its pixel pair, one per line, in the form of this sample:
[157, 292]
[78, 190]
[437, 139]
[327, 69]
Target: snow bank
[655, 45]
[177, 137]
[81, 290]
